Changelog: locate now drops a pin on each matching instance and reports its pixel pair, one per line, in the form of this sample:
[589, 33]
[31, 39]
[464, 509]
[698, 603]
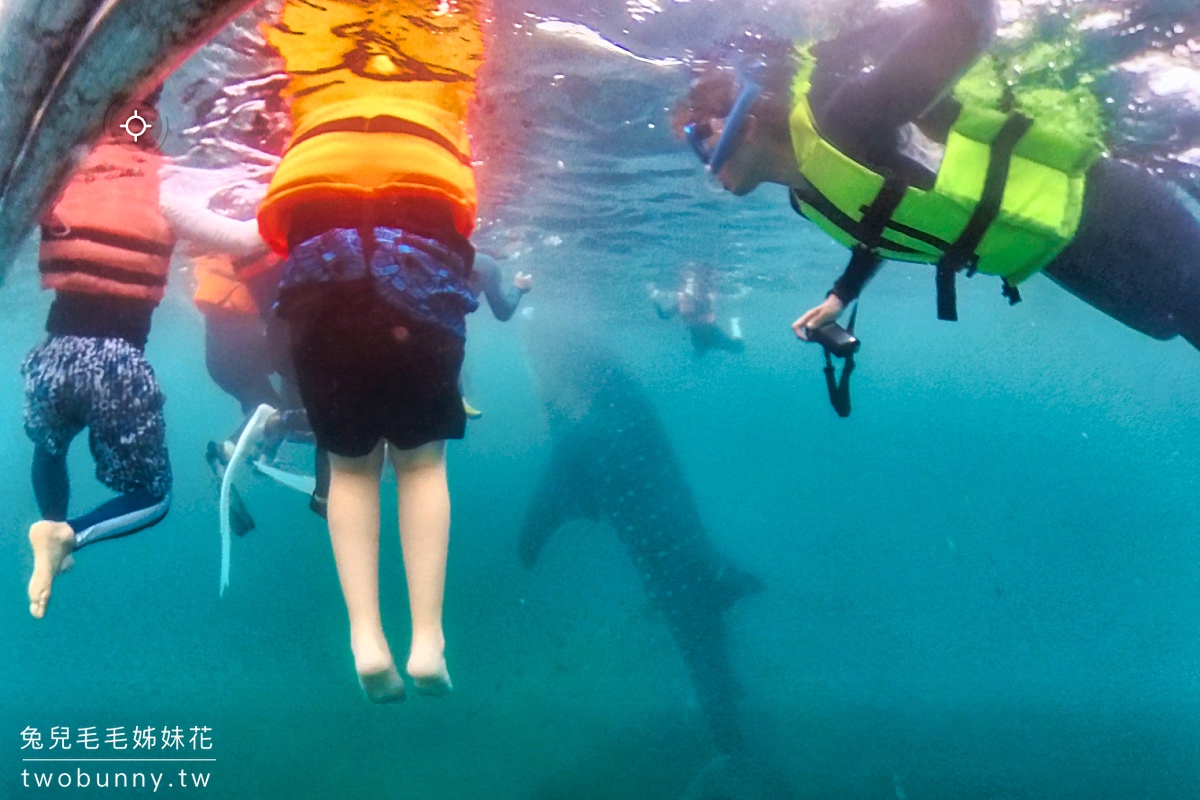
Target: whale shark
[63, 66]
[612, 462]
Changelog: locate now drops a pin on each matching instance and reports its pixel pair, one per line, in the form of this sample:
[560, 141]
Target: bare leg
[52, 543]
[354, 533]
[425, 539]
[52, 539]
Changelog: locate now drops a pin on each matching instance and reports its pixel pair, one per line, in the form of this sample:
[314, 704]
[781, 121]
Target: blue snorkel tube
[730, 133]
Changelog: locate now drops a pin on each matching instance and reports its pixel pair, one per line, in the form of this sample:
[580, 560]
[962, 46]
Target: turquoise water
[983, 584]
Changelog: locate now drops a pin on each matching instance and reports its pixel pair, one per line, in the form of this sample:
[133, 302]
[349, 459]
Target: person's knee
[350, 466]
[426, 456]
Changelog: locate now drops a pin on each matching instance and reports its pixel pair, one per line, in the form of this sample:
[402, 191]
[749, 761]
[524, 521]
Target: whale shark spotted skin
[612, 462]
[63, 64]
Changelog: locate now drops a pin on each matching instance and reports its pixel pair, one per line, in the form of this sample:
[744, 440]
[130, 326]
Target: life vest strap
[876, 216]
[99, 236]
[827, 209]
[961, 252]
[104, 271]
[382, 124]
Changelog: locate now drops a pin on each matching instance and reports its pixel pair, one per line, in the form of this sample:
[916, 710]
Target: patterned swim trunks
[108, 387]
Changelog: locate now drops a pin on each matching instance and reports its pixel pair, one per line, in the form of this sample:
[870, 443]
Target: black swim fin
[240, 520]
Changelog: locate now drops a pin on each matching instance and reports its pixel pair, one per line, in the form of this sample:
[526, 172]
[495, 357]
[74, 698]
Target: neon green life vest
[1007, 222]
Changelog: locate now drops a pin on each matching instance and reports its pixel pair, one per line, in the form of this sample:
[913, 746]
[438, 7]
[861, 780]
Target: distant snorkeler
[373, 204]
[695, 301]
[894, 149]
[487, 280]
[106, 251]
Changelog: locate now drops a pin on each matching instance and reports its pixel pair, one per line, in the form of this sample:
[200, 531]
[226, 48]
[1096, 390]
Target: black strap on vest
[382, 124]
[876, 216]
[961, 253]
[826, 208]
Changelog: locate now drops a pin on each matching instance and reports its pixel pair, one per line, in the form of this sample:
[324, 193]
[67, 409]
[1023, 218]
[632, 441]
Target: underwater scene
[594, 399]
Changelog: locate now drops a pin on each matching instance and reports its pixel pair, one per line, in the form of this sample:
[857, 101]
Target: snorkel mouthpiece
[697, 133]
[731, 133]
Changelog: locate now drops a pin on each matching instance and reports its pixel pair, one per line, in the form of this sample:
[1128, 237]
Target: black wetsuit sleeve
[487, 279]
[862, 267]
[934, 46]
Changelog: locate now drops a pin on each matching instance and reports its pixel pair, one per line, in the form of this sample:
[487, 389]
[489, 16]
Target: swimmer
[105, 251]
[373, 204]
[488, 281]
[880, 159]
[245, 343]
[696, 304]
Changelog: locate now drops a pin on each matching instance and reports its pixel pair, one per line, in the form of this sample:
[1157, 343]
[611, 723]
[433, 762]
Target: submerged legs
[354, 533]
[424, 536]
[424, 498]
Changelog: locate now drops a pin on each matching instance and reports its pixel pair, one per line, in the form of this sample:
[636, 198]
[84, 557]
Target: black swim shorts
[367, 371]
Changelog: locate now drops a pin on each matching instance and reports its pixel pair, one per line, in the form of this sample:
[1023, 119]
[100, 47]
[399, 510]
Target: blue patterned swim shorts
[414, 274]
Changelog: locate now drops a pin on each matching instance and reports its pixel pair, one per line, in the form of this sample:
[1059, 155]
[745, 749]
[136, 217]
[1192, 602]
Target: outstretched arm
[212, 231]
[862, 267]
[863, 116]
[488, 280]
[665, 303]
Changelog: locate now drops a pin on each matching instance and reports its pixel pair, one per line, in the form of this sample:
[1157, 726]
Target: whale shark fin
[560, 496]
[733, 584]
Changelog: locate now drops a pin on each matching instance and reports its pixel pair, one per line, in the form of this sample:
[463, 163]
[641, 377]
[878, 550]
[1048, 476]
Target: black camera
[835, 339]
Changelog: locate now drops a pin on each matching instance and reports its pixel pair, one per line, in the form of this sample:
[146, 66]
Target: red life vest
[106, 234]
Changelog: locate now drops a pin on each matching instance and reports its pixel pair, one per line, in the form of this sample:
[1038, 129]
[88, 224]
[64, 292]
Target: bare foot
[384, 686]
[377, 673]
[52, 544]
[427, 668]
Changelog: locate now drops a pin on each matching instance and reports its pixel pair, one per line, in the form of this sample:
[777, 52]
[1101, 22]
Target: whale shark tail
[736, 777]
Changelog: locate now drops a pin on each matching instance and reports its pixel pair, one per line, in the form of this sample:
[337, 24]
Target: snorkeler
[106, 252]
[696, 304]
[488, 281]
[373, 204]
[859, 129]
[235, 296]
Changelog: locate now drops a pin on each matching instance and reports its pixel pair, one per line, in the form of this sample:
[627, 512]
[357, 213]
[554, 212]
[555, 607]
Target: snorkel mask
[716, 157]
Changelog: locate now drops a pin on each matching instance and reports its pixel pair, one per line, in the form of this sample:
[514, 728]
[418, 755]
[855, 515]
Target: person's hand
[816, 317]
[523, 281]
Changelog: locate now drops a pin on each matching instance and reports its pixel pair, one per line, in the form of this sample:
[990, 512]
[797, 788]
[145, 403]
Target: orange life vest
[106, 234]
[220, 283]
[379, 96]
